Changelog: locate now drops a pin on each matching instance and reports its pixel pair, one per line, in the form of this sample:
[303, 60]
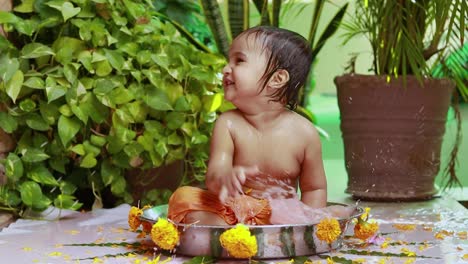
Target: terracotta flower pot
[392, 135]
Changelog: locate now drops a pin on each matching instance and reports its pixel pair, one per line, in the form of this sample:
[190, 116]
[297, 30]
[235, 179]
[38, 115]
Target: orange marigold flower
[364, 230]
[134, 221]
[165, 234]
[147, 226]
[328, 230]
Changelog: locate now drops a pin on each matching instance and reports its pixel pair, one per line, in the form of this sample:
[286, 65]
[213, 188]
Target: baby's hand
[232, 187]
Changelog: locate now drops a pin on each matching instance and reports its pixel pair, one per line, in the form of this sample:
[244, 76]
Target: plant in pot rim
[393, 122]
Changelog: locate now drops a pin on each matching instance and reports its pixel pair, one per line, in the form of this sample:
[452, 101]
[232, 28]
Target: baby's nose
[226, 69]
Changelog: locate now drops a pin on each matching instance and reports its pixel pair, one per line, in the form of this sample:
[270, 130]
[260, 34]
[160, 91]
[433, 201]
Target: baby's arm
[312, 182]
[220, 177]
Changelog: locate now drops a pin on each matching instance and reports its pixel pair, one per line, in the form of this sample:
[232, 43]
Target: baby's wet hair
[286, 50]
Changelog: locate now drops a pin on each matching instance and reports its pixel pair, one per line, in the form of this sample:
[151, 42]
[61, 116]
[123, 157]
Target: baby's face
[241, 76]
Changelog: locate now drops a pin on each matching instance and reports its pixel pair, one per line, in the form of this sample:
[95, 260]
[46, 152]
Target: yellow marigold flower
[384, 245]
[239, 242]
[462, 235]
[134, 218]
[365, 215]
[328, 230]
[364, 230]
[165, 234]
[330, 261]
[408, 252]
[404, 227]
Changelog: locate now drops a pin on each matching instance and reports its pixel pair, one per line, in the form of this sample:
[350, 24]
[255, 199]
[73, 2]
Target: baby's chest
[277, 152]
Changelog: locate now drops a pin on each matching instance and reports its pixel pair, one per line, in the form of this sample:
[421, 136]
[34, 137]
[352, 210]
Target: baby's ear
[279, 79]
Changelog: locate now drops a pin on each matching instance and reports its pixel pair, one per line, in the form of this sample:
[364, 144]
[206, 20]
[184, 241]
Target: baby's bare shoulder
[302, 125]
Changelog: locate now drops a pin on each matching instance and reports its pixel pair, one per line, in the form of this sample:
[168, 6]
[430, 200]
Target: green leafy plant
[93, 89]
[189, 14]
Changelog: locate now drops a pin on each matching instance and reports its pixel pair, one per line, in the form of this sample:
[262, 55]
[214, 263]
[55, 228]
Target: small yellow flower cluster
[239, 242]
[165, 234]
[328, 230]
[364, 228]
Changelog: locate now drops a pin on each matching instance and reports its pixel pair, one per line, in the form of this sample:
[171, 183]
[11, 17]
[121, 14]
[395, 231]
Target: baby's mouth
[227, 82]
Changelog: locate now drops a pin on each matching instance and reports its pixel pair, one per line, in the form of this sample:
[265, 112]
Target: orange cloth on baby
[187, 199]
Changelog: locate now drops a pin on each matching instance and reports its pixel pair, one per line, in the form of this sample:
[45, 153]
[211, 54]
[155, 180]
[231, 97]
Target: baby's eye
[238, 60]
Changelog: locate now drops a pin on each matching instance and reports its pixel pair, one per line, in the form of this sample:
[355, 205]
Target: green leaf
[174, 120]
[199, 138]
[34, 83]
[41, 174]
[27, 105]
[212, 102]
[133, 149]
[90, 148]
[157, 100]
[69, 11]
[99, 141]
[8, 67]
[30, 192]
[27, 27]
[36, 122]
[67, 187]
[121, 95]
[67, 49]
[11, 197]
[58, 164]
[89, 161]
[78, 149]
[13, 86]
[13, 167]
[67, 128]
[35, 50]
[103, 68]
[109, 172]
[41, 203]
[7, 122]
[182, 104]
[94, 109]
[26, 6]
[8, 17]
[174, 139]
[118, 185]
[33, 155]
[138, 110]
[67, 202]
[70, 72]
[53, 90]
[161, 148]
[50, 112]
[115, 59]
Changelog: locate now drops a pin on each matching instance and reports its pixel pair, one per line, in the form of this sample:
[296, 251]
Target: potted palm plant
[393, 121]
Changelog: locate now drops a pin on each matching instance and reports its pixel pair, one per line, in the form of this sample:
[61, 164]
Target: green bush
[94, 89]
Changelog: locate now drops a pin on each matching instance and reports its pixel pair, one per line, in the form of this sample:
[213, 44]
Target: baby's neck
[264, 119]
